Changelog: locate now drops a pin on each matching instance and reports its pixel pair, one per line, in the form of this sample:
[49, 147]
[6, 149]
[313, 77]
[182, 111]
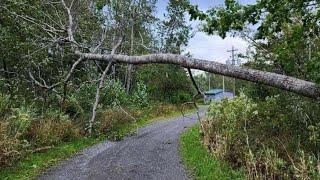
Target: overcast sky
[207, 47]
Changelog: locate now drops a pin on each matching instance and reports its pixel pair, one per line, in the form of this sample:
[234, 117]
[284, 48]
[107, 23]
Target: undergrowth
[269, 139]
[30, 144]
[34, 164]
[201, 164]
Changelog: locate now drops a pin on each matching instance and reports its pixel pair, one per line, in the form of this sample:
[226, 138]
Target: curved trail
[151, 154]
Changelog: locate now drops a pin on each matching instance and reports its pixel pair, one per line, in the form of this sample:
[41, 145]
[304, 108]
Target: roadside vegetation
[33, 164]
[266, 132]
[52, 97]
[57, 141]
[268, 139]
[201, 164]
[47, 100]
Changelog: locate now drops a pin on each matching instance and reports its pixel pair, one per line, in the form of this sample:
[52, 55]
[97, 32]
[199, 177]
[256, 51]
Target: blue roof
[213, 91]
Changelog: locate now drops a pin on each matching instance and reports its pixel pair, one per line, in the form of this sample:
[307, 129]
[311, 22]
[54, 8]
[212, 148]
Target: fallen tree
[66, 36]
[295, 85]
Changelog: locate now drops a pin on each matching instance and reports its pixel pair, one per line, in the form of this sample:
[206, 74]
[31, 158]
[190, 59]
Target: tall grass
[202, 164]
[266, 138]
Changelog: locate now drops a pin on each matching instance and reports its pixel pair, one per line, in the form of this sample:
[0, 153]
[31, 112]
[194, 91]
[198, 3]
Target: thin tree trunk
[96, 102]
[130, 67]
[101, 84]
[298, 86]
[129, 78]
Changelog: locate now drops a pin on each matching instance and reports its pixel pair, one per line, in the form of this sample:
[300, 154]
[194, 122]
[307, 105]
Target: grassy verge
[201, 164]
[36, 163]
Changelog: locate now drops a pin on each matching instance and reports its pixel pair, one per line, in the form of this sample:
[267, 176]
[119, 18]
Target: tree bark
[128, 78]
[101, 84]
[298, 86]
[96, 102]
[130, 67]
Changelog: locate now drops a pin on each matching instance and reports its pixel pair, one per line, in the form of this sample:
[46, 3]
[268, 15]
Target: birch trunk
[130, 67]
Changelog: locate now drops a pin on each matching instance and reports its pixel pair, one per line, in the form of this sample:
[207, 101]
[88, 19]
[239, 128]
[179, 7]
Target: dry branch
[101, 84]
[96, 102]
[199, 93]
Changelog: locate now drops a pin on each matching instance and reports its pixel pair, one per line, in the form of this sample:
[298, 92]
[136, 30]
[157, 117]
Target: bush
[114, 94]
[140, 97]
[84, 96]
[11, 148]
[23, 131]
[181, 97]
[73, 106]
[113, 122]
[48, 131]
[224, 136]
[4, 105]
[19, 121]
[264, 137]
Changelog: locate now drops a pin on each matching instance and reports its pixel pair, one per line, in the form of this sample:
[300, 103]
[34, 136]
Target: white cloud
[203, 46]
[213, 47]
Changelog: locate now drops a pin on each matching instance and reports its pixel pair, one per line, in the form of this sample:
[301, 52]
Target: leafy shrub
[19, 121]
[265, 137]
[221, 127]
[22, 131]
[56, 114]
[140, 97]
[84, 96]
[180, 97]
[73, 106]
[4, 105]
[11, 148]
[114, 94]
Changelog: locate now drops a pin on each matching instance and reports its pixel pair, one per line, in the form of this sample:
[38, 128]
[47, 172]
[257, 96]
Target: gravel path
[151, 154]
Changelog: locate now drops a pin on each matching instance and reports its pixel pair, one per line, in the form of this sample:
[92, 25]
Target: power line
[233, 62]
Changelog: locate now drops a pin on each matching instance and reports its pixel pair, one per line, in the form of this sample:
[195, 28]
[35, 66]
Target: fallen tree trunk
[298, 86]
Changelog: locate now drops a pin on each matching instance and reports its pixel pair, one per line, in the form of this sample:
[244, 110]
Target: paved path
[151, 154]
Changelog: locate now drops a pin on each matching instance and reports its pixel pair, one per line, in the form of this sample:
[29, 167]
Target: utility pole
[209, 81]
[233, 59]
[223, 87]
[233, 62]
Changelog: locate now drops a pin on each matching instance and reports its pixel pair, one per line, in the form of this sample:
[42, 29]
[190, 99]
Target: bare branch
[75, 64]
[194, 83]
[115, 47]
[103, 37]
[44, 85]
[199, 92]
[70, 22]
[65, 81]
[96, 103]
[45, 26]
[101, 84]
[152, 50]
